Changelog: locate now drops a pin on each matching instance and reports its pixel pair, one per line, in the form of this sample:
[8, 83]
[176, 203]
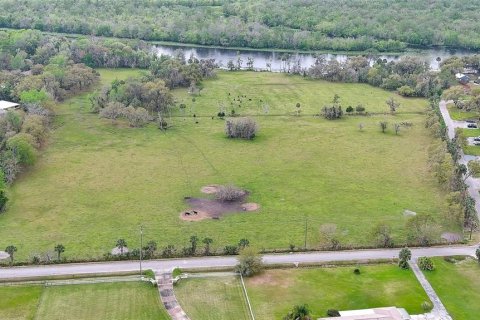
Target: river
[277, 59]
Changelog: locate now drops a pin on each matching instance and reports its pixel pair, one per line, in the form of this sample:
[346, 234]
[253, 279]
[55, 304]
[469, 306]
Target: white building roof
[7, 105]
[390, 313]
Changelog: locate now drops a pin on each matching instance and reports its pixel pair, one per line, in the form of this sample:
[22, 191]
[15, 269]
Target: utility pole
[141, 249]
[306, 225]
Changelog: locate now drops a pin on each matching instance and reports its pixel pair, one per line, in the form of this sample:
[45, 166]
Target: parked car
[472, 125]
[470, 121]
[476, 139]
[476, 143]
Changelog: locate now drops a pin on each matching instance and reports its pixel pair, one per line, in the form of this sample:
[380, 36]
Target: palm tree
[59, 249]
[207, 242]
[243, 243]
[121, 244]
[11, 250]
[150, 248]
[193, 242]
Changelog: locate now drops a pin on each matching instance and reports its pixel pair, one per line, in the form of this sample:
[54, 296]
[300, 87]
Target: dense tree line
[35, 71]
[148, 97]
[349, 25]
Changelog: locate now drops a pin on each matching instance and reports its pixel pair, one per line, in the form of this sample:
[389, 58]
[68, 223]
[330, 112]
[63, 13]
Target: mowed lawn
[457, 285]
[130, 300]
[275, 292]
[99, 181]
[212, 298]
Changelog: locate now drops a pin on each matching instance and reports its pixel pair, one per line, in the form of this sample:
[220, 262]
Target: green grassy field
[131, 300]
[273, 293]
[457, 286]
[212, 298]
[98, 181]
[458, 114]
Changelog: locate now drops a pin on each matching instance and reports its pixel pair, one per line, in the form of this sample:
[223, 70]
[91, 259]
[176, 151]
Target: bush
[333, 313]
[22, 145]
[426, 264]
[243, 128]
[360, 108]
[149, 274]
[230, 250]
[349, 109]
[249, 262]
[229, 193]
[136, 117]
[427, 306]
[333, 112]
[406, 91]
[113, 110]
[176, 272]
[36, 126]
[356, 271]
[3, 200]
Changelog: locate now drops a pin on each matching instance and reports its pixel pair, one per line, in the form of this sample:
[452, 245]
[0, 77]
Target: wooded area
[346, 25]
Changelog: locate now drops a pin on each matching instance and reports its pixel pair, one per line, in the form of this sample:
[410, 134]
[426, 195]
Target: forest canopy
[346, 25]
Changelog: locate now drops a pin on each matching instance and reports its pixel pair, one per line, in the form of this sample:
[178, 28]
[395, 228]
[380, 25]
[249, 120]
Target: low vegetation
[175, 165]
[276, 293]
[129, 300]
[455, 280]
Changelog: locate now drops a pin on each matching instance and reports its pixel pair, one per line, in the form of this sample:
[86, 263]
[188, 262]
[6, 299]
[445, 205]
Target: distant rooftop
[389, 313]
[7, 105]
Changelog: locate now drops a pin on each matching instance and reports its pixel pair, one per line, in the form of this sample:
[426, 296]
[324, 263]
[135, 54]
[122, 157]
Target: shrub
[113, 110]
[349, 109]
[149, 274]
[426, 264]
[427, 306]
[383, 126]
[333, 313]
[249, 262]
[176, 272]
[299, 312]
[136, 117]
[22, 145]
[229, 193]
[230, 250]
[36, 126]
[406, 91]
[333, 112]
[3, 200]
[356, 271]
[243, 128]
[360, 108]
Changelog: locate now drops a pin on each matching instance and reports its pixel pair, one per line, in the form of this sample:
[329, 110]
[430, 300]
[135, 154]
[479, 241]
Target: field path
[167, 295]
[439, 311]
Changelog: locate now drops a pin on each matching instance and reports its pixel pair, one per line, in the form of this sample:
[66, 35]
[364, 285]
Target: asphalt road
[206, 262]
[472, 183]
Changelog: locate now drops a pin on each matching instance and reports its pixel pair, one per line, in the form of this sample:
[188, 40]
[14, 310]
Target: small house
[462, 78]
[389, 313]
[6, 105]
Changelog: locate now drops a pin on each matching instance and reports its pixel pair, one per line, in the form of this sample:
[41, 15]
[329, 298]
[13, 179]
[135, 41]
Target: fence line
[246, 296]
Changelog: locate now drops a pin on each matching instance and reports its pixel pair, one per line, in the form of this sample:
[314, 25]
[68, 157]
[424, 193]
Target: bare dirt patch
[210, 189]
[451, 237]
[212, 208]
[281, 278]
[194, 215]
[250, 206]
